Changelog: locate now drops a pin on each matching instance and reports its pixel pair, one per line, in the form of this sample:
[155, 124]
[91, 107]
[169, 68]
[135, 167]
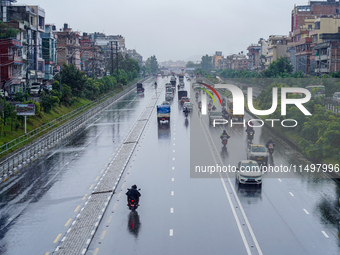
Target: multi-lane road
[181, 212]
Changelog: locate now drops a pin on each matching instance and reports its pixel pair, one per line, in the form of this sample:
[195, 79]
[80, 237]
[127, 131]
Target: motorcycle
[200, 106]
[250, 135]
[209, 107]
[186, 113]
[132, 204]
[224, 141]
[270, 148]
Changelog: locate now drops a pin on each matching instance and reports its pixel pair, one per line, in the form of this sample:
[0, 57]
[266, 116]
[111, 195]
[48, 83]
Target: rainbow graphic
[213, 90]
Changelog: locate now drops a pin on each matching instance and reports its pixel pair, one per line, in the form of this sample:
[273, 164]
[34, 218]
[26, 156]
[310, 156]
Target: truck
[182, 93]
[181, 78]
[140, 88]
[169, 93]
[163, 113]
[173, 81]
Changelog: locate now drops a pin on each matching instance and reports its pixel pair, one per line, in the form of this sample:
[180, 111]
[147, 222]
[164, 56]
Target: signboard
[25, 109]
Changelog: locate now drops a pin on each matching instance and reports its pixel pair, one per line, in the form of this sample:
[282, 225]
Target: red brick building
[314, 8]
[10, 62]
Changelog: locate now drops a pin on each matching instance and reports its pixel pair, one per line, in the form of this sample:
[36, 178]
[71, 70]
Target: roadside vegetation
[71, 89]
[318, 135]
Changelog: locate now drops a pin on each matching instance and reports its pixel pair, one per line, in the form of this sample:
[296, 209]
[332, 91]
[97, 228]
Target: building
[30, 21]
[310, 11]
[327, 54]
[216, 59]
[136, 56]
[92, 57]
[49, 53]
[68, 47]
[237, 62]
[11, 63]
[254, 57]
[277, 47]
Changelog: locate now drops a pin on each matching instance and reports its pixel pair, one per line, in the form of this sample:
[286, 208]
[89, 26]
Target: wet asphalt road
[290, 214]
[178, 214]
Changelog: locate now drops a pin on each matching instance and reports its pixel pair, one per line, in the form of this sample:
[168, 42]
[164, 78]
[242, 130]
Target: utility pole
[93, 61]
[111, 57]
[116, 42]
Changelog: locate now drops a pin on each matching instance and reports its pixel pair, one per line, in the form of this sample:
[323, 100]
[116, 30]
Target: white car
[34, 90]
[187, 105]
[249, 172]
[258, 153]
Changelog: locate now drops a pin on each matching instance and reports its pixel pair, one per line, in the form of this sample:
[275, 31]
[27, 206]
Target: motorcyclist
[133, 193]
[196, 95]
[223, 102]
[224, 135]
[155, 83]
[249, 124]
[270, 141]
[200, 105]
[186, 111]
[178, 86]
[209, 106]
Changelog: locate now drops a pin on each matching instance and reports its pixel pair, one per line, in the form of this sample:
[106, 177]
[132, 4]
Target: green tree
[151, 64]
[6, 31]
[206, 63]
[279, 68]
[73, 78]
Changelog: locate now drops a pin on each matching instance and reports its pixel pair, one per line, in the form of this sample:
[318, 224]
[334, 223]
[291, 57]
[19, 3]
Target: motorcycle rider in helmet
[270, 141]
[133, 193]
[249, 124]
[224, 135]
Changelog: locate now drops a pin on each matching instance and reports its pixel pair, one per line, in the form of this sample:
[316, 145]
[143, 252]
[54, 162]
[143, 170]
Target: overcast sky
[176, 29]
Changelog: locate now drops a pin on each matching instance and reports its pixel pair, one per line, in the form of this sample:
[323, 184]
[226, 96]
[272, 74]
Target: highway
[181, 212]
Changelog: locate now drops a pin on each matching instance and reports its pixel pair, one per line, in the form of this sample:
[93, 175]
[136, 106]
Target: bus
[229, 108]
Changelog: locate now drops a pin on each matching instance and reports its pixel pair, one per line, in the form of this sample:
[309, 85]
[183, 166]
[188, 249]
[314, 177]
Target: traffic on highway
[186, 186]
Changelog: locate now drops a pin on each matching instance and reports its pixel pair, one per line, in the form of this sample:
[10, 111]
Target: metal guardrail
[44, 128]
[37, 147]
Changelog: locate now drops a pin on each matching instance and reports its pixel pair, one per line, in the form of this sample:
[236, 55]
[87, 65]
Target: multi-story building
[30, 20]
[11, 63]
[216, 59]
[68, 47]
[136, 56]
[237, 62]
[314, 9]
[327, 54]
[49, 53]
[254, 57]
[277, 47]
[92, 58]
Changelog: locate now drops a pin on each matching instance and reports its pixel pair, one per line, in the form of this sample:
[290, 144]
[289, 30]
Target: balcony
[321, 70]
[321, 57]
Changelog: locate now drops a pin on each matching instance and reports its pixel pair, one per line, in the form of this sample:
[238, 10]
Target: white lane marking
[237, 200]
[236, 217]
[290, 193]
[172, 193]
[324, 233]
[305, 211]
[174, 144]
[171, 210]
[173, 168]
[172, 179]
[279, 179]
[171, 232]
[173, 158]
[173, 150]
